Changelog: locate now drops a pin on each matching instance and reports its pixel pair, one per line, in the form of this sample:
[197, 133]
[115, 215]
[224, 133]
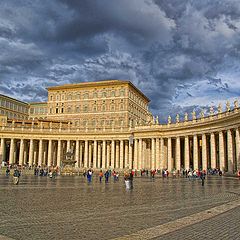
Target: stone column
[186, 153]
[169, 149]
[25, 153]
[178, 154]
[12, 150]
[136, 153]
[221, 152]
[99, 155]
[81, 155]
[130, 156]
[108, 154]
[126, 155]
[95, 154]
[162, 164]
[204, 152]
[153, 155]
[121, 154]
[195, 152]
[77, 164]
[112, 154]
[104, 154]
[90, 155]
[40, 152]
[117, 154]
[213, 152]
[140, 154]
[68, 145]
[230, 151]
[2, 150]
[59, 150]
[237, 149]
[49, 161]
[157, 154]
[21, 152]
[144, 153]
[86, 154]
[30, 161]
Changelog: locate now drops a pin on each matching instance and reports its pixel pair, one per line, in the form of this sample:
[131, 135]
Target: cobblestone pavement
[70, 208]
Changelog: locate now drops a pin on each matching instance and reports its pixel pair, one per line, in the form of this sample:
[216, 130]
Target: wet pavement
[70, 208]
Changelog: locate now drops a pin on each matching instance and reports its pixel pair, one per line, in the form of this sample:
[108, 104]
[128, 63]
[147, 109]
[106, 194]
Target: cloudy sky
[183, 55]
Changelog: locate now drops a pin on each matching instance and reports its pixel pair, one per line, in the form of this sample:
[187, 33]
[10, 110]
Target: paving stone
[70, 208]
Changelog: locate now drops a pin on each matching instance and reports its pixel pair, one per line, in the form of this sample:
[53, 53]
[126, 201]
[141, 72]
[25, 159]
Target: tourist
[16, 176]
[238, 174]
[202, 177]
[128, 177]
[89, 175]
[100, 176]
[7, 171]
[106, 175]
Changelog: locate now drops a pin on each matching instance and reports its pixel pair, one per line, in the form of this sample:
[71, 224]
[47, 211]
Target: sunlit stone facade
[139, 142]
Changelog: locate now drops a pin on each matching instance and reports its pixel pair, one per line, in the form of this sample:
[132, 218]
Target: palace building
[107, 124]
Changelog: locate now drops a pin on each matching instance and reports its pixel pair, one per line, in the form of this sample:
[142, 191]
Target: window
[113, 93]
[104, 94]
[103, 108]
[95, 95]
[69, 109]
[85, 96]
[77, 109]
[70, 97]
[78, 96]
[122, 92]
[85, 108]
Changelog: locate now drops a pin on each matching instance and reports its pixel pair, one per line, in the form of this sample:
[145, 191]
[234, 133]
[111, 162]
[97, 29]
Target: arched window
[85, 96]
[104, 94]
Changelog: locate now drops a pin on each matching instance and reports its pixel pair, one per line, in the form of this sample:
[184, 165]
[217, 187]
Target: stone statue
[193, 115]
[186, 117]
[157, 121]
[236, 104]
[169, 119]
[228, 109]
[177, 118]
[220, 108]
[202, 113]
[211, 111]
[153, 120]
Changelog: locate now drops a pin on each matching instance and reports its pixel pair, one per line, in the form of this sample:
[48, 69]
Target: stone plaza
[164, 208]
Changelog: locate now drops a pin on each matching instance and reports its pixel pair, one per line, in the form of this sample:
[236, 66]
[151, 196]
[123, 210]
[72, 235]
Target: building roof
[14, 99]
[98, 83]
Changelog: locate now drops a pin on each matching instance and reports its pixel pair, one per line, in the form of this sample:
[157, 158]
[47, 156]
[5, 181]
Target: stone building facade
[139, 142]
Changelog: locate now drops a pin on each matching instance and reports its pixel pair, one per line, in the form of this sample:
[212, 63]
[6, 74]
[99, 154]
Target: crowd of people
[106, 175]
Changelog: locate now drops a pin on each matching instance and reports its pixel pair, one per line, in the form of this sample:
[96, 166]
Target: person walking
[100, 176]
[16, 176]
[202, 177]
[106, 175]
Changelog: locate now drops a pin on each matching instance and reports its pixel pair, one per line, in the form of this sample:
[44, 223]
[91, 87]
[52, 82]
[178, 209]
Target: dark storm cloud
[183, 55]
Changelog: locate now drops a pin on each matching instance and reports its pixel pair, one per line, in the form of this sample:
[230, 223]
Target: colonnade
[219, 149]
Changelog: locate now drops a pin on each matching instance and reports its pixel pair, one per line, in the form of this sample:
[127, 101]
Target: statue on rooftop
[193, 115]
[220, 108]
[236, 104]
[157, 121]
[211, 111]
[177, 118]
[228, 109]
[169, 119]
[186, 117]
[202, 113]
